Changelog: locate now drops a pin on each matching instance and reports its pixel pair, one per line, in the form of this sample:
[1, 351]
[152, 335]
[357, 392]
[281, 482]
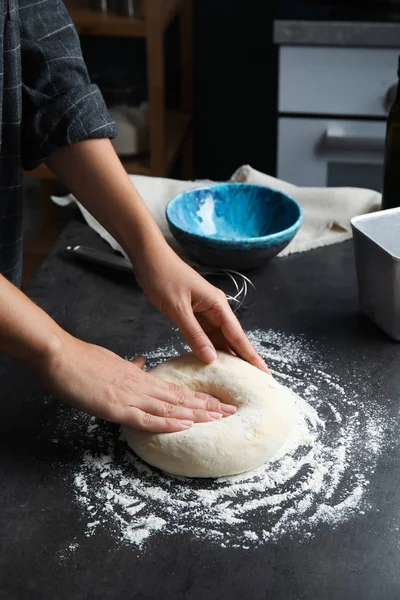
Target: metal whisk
[245, 289]
[243, 294]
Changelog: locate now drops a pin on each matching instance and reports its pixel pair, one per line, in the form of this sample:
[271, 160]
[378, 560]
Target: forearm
[26, 332]
[95, 175]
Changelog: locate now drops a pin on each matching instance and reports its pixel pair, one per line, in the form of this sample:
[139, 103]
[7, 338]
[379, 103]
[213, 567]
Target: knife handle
[100, 257]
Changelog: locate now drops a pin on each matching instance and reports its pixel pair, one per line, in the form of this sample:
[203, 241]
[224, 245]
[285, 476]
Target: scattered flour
[68, 551]
[324, 480]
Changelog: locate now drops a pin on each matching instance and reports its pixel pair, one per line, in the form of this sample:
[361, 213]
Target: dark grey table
[313, 294]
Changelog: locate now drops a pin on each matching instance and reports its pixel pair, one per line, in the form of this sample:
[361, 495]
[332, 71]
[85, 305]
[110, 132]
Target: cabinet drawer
[336, 81]
[310, 151]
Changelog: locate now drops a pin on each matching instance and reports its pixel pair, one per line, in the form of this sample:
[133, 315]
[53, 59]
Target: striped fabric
[46, 102]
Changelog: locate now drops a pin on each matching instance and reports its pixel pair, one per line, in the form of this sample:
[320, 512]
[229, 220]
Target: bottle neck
[397, 94]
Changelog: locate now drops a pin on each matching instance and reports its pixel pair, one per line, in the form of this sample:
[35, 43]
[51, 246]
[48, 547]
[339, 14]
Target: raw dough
[266, 417]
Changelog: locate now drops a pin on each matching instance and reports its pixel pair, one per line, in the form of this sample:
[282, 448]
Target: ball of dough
[266, 415]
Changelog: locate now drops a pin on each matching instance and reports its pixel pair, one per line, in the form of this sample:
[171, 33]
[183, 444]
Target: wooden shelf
[170, 8]
[177, 129]
[90, 22]
[171, 133]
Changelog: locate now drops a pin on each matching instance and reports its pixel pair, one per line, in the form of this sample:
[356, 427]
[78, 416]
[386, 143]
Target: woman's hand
[102, 384]
[94, 174]
[200, 310]
[94, 379]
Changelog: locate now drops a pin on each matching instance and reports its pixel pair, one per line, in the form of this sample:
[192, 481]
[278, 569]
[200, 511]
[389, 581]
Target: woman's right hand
[102, 384]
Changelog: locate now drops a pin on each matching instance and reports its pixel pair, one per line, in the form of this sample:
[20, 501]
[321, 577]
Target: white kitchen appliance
[333, 103]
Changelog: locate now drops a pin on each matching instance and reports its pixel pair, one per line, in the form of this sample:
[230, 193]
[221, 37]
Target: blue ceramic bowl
[233, 225]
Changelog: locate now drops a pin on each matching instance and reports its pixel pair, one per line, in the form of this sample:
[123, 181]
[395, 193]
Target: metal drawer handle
[334, 139]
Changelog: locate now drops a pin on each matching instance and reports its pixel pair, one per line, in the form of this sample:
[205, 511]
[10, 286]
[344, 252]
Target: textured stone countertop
[45, 554]
[337, 33]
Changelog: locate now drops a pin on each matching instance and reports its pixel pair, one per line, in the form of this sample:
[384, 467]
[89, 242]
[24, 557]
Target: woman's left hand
[200, 310]
[94, 174]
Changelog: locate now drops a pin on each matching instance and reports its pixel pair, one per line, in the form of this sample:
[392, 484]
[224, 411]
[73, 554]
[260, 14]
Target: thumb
[139, 362]
[197, 339]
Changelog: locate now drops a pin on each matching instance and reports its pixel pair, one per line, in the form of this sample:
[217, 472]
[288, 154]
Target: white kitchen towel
[156, 193]
[327, 211]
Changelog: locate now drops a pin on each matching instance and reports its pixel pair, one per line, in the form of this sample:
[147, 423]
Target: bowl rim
[257, 240]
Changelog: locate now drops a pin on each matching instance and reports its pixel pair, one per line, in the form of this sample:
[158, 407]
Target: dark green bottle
[391, 177]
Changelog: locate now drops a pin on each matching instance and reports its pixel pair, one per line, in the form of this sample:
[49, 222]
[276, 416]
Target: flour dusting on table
[324, 480]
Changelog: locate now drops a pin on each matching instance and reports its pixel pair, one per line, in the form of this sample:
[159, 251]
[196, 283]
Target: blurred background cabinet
[128, 47]
[210, 72]
[170, 130]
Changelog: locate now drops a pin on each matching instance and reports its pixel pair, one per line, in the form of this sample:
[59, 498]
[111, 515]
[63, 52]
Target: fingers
[230, 330]
[239, 342]
[171, 411]
[196, 337]
[227, 334]
[163, 407]
[220, 342]
[143, 421]
[139, 362]
[177, 395]
[213, 404]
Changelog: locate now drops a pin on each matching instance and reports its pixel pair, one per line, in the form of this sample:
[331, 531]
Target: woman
[51, 112]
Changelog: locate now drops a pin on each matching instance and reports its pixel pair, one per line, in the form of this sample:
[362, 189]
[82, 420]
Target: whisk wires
[244, 289]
